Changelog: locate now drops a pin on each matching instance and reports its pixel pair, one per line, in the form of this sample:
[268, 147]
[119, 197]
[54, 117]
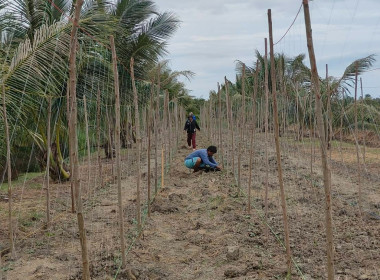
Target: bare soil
[199, 227]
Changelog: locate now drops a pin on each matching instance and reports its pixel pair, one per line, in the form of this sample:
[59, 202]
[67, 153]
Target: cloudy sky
[216, 33]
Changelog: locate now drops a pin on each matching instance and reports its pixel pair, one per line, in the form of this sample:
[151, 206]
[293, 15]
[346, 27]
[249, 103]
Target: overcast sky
[216, 33]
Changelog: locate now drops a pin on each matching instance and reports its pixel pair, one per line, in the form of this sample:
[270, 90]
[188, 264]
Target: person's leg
[189, 139]
[193, 140]
[197, 164]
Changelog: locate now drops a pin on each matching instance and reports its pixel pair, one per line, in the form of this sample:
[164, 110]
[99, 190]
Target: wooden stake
[251, 154]
[98, 136]
[9, 171]
[156, 130]
[149, 127]
[220, 148]
[357, 139]
[266, 128]
[278, 151]
[48, 145]
[87, 142]
[118, 156]
[325, 164]
[362, 117]
[162, 167]
[73, 142]
[138, 141]
[228, 123]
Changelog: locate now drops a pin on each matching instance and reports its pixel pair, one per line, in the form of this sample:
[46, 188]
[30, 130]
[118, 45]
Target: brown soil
[199, 227]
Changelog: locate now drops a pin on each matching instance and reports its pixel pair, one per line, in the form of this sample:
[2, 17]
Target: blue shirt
[202, 153]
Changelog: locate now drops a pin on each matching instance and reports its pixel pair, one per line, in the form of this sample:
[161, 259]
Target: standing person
[190, 126]
[194, 118]
[202, 159]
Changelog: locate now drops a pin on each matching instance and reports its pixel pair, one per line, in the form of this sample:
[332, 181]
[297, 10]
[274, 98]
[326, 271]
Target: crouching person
[202, 159]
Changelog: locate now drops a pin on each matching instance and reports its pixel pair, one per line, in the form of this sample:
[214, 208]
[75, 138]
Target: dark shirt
[190, 126]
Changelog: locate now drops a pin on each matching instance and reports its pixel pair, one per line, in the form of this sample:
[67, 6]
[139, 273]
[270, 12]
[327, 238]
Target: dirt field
[200, 227]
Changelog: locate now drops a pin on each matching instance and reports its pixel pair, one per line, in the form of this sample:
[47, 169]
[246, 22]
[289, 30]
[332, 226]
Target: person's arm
[186, 125]
[213, 160]
[206, 160]
[196, 125]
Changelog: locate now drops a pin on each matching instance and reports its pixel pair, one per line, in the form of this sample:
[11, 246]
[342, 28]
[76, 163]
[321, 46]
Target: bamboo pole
[87, 143]
[357, 139]
[228, 123]
[110, 143]
[118, 156]
[73, 142]
[266, 128]
[243, 109]
[98, 136]
[220, 124]
[362, 117]
[241, 126]
[156, 130]
[329, 114]
[9, 171]
[325, 164]
[149, 126]
[48, 145]
[251, 154]
[162, 167]
[341, 128]
[277, 142]
[138, 141]
[176, 121]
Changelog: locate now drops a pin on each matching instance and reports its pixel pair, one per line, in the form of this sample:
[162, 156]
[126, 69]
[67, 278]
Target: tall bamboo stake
[48, 145]
[341, 128]
[329, 114]
[110, 143]
[357, 139]
[156, 130]
[228, 123]
[9, 171]
[118, 156]
[251, 154]
[149, 125]
[266, 128]
[322, 139]
[98, 136]
[87, 143]
[176, 121]
[73, 142]
[241, 126]
[221, 150]
[243, 105]
[138, 141]
[278, 151]
[362, 117]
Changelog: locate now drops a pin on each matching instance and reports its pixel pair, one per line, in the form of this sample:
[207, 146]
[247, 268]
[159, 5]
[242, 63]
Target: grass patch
[20, 181]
